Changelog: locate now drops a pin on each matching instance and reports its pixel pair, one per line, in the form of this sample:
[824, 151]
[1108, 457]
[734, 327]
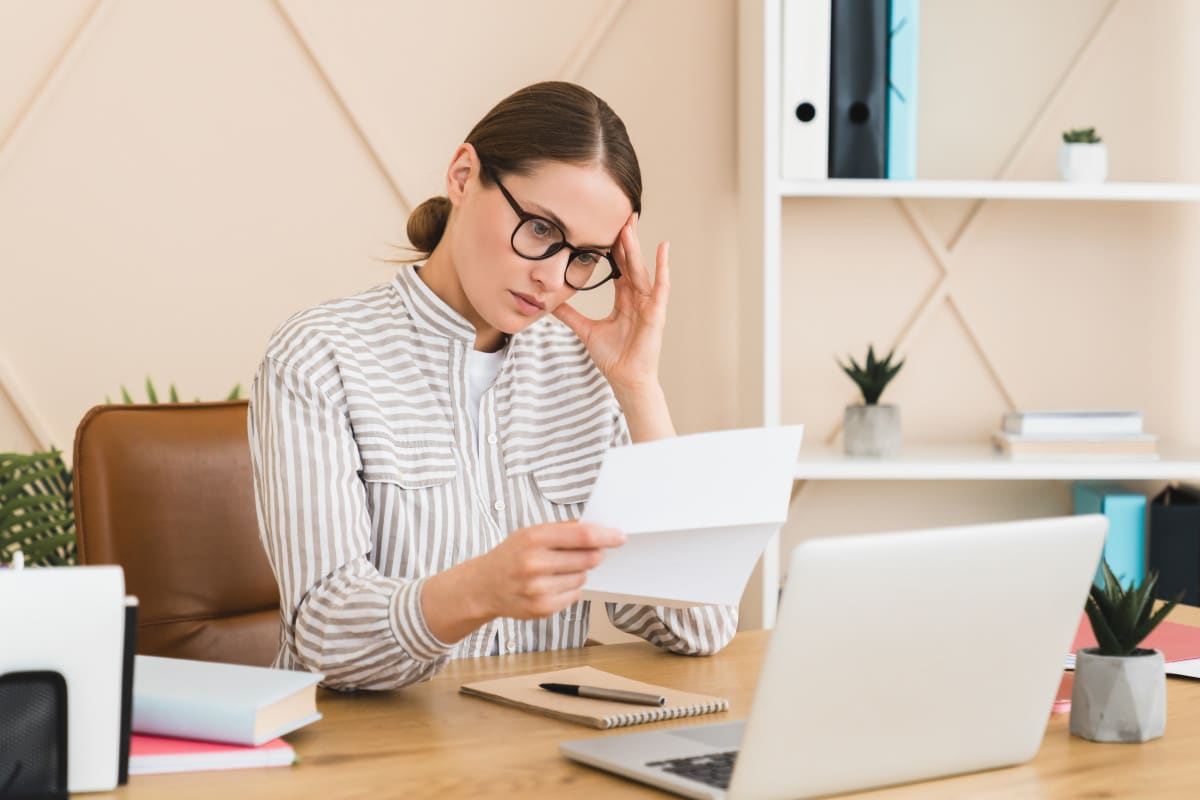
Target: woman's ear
[463, 165]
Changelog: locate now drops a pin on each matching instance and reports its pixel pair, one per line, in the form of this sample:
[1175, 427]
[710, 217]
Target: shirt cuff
[407, 619]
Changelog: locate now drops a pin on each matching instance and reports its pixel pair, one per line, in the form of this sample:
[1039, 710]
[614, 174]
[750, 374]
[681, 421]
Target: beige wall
[178, 176]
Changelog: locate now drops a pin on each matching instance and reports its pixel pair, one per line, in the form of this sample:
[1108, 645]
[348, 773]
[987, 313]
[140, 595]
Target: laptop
[896, 657]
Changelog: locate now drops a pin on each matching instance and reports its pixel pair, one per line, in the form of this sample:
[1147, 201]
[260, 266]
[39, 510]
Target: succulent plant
[1081, 136]
[874, 376]
[1122, 617]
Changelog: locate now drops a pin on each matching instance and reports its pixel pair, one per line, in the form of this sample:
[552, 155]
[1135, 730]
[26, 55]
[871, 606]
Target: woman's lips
[527, 305]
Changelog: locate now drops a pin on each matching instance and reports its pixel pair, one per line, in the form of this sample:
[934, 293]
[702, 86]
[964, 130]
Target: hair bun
[427, 223]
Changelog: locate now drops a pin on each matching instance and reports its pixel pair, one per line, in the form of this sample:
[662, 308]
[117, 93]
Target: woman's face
[509, 292]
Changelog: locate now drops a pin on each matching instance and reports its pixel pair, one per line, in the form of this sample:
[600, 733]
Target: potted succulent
[872, 429]
[1120, 689]
[1082, 157]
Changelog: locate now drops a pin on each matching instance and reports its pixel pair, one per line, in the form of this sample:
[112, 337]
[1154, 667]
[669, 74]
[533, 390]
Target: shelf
[1000, 190]
[980, 462]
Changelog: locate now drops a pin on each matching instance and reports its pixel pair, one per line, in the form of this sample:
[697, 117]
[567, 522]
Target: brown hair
[550, 121]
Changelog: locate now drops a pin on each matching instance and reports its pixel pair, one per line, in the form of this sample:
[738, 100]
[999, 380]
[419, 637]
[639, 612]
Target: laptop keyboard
[713, 769]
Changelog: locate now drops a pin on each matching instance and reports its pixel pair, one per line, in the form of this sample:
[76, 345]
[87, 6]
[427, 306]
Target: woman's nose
[551, 272]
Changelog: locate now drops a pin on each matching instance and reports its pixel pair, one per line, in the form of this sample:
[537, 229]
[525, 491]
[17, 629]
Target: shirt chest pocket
[411, 463]
[564, 483]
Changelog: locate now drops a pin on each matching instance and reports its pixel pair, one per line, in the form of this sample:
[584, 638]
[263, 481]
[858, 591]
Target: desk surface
[431, 741]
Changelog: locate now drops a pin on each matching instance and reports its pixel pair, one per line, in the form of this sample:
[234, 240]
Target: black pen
[598, 693]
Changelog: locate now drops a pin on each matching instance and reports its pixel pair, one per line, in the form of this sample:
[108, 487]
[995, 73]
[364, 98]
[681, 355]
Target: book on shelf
[1140, 446]
[152, 755]
[230, 703]
[1073, 423]
[523, 691]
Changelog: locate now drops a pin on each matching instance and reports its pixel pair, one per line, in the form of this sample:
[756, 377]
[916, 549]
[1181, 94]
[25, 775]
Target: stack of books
[202, 715]
[1075, 434]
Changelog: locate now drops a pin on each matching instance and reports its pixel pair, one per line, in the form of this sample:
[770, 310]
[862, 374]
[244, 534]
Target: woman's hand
[535, 572]
[626, 344]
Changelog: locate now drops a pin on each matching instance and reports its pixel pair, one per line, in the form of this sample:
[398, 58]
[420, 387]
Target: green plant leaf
[150, 393]
[1158, 616]
[235, 393]
[46, 550]
[125, 395]
[174, 395]
[1105, 638]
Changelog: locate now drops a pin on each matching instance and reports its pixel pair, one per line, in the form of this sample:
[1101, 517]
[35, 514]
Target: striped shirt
[368, 480]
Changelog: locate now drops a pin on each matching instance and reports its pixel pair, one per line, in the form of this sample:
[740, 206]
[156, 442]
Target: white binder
[804, 145]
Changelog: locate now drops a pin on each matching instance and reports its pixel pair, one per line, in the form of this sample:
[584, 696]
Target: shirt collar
[429, 310]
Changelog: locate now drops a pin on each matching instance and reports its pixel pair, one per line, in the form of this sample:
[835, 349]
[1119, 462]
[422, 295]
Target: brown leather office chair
[166, 491]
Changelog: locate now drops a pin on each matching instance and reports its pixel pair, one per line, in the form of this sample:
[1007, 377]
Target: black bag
[33, 736]
[1175, 544]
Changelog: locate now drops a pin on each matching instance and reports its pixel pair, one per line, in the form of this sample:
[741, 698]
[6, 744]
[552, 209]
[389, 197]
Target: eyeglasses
[537, 238]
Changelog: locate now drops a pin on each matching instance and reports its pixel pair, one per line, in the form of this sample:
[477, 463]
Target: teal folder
[903, 55]
[1125, 547]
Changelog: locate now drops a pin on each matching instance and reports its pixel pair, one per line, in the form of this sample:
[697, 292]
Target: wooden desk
[430, 741]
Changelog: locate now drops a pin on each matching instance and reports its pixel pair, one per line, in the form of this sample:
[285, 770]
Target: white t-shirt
[482, 369]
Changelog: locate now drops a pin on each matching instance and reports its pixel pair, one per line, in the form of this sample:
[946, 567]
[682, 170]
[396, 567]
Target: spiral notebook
[522, 691]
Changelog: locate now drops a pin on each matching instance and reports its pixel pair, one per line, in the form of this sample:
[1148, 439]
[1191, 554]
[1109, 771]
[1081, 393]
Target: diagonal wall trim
[361, 132]
[60, 66]
[1065, 82]
[30, 418]
[583, 52]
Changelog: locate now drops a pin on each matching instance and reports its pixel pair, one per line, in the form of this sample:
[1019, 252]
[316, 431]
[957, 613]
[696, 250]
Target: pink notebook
[149, 755]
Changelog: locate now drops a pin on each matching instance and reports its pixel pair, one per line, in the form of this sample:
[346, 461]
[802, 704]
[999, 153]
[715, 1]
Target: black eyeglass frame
[524, 216]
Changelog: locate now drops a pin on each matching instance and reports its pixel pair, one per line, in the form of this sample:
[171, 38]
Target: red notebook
[149, 755]
[1177, 642]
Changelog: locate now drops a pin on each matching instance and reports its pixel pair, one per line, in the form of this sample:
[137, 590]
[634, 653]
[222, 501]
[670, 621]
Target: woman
[423, 450]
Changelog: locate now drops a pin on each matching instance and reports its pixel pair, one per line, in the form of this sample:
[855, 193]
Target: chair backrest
[167, 492]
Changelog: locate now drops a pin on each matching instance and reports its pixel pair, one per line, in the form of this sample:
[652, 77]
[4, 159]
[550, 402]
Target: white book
[804, 117]
[216, 702]
[1074, 423]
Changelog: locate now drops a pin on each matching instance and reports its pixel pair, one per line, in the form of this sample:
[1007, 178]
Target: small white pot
[1079, 162]
[872, 430]
[1119, 698]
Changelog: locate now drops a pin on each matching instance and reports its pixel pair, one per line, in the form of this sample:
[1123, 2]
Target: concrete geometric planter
[1119, 698]
[1083, 162]
[872, 430]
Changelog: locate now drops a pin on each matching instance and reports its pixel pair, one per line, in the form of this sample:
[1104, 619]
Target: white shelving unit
[991, 190]
[982, 463]
[761, 195]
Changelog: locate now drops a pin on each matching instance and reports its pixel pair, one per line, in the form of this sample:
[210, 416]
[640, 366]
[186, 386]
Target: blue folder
[903, 55]
[1125, 547]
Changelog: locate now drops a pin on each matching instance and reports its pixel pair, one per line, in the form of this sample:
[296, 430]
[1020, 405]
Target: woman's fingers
[662, 273]
[633, 268]
[577, 322]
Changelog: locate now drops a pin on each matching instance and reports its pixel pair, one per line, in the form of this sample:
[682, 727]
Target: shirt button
[498, 505]
[511, 647]
[493, 438]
